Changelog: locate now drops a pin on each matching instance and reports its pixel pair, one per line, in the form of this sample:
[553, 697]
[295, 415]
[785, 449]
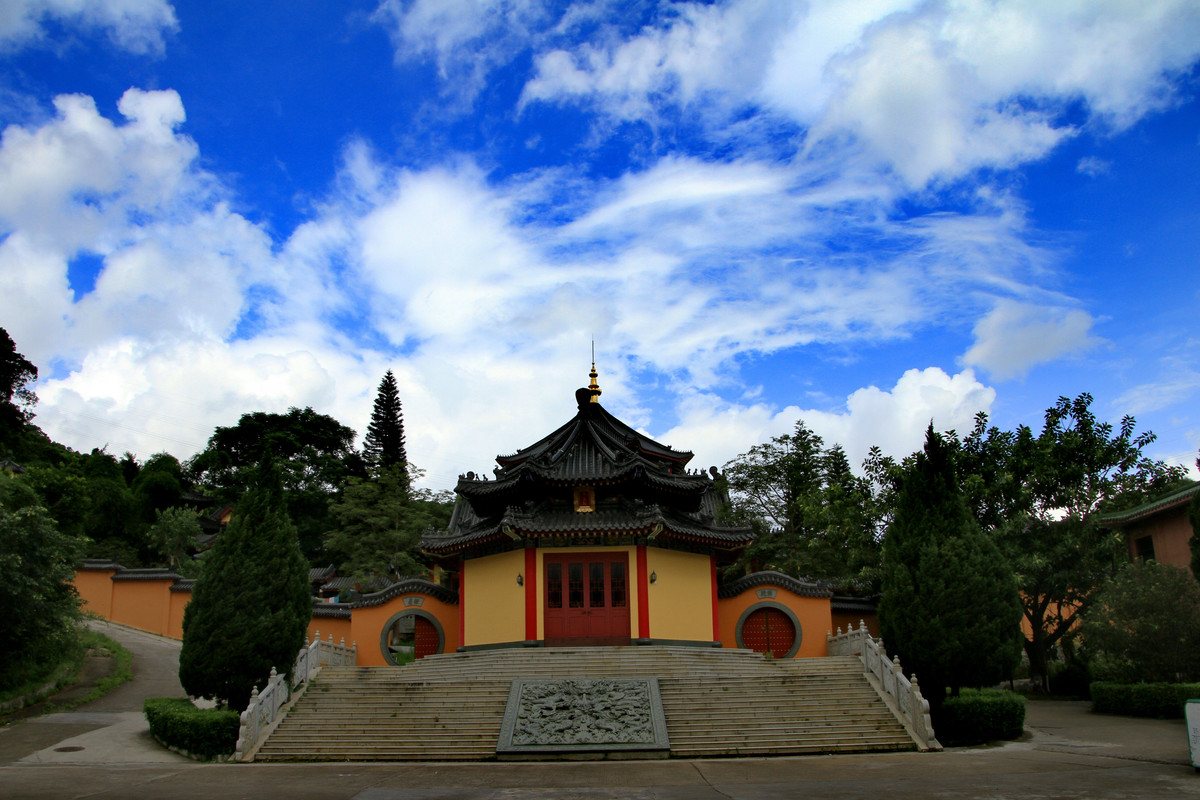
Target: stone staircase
[717, 702]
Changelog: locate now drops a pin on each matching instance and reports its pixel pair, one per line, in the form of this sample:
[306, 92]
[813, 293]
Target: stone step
[716, 703]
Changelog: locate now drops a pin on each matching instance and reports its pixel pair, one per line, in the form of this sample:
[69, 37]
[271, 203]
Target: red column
[643, 579]
[531, 584]
[716, 618]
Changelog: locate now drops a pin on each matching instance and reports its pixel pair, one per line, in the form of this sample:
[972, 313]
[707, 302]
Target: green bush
[980, 715]
[1070, 680]
[202, 732]
[1161, 700]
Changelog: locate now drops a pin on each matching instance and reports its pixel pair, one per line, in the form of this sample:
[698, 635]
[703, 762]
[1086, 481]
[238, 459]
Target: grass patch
[48, 679]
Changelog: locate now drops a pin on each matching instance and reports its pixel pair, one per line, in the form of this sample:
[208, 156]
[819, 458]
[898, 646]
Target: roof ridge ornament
[594, 387]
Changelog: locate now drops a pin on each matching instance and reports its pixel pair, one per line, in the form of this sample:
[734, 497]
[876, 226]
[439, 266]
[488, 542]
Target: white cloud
[1015, 337]
[895, 420]
[134, 25]
[932, 90]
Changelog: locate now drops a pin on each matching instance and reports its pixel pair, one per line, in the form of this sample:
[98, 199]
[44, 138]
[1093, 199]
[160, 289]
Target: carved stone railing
[262, 714]
[902, 695]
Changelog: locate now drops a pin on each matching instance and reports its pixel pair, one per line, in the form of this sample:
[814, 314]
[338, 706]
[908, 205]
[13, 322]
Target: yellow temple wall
[95, 589]
[681, 597]
[494, 604]
[144, 604]
[813, 614]
[368, 624]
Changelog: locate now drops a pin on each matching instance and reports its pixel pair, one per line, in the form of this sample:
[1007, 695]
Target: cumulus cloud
[1014, 337]
[893, 419]
[134, 25]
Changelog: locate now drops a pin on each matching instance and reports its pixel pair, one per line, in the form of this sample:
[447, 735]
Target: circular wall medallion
[769, 628]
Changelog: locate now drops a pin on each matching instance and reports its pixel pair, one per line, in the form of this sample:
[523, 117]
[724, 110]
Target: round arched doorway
[769, 628]
[410, 635]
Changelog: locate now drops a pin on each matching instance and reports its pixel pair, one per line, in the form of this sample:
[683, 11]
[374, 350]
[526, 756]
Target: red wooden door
[768, 630]
[425, 638]
[587, 599]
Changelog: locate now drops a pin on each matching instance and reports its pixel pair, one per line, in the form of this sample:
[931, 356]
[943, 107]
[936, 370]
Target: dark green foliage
[383, 446]
[949, 606]
[813, 516]
[251, 605]
[38, 603]
[1071, 679]
[1194, 542]
[174, 534]
[202, 732]
[1145, 625]
[158, 486]
[379, 524]
[1040, 498]
[1159, 700]
[315, 455]
[980, 716]
[16, 398]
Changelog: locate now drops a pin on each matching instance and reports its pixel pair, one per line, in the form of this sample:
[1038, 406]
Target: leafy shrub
[1070, 680]
[1161, 700]
[980, 715]
[202, 732]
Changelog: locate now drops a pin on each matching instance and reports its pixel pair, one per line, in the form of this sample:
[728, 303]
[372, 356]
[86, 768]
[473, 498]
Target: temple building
[596, 534]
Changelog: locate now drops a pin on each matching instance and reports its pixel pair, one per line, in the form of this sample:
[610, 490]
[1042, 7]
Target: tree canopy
[814, 517]
[383, 445]
[16, 397]
[949, 606]
[251, 605]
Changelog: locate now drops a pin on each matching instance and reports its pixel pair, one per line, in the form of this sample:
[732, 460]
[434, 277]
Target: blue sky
[865, 215]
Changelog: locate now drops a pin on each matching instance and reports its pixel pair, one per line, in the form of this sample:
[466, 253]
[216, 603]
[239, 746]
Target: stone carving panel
[583, 715]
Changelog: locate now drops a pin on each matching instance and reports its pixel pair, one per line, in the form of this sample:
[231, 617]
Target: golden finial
[594, 387]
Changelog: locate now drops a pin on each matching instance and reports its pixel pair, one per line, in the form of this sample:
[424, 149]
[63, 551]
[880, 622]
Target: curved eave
[803, 588]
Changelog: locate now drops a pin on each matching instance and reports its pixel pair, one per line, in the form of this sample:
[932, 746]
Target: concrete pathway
[1067, 752]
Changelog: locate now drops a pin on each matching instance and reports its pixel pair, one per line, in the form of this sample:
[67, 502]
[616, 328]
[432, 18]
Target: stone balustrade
[263, 711]
[903, 695]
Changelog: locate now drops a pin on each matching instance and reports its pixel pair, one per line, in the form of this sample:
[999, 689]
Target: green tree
[16, 398]
[1145, 625]
[174, 533]
[1040, 498]
[813, 517]
[37, 599]
[315, 456]
[251, 606]
[949, 605]
[379, 526]
[383, 446]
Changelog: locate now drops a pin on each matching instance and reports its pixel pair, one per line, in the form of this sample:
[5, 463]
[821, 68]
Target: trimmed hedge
[200, 732]
[1161, 700]
[977, 716]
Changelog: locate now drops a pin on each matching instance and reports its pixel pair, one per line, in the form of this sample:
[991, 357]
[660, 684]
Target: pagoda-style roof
[642, 489]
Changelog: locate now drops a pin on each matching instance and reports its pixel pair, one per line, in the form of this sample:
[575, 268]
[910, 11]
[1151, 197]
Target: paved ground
[104, 750]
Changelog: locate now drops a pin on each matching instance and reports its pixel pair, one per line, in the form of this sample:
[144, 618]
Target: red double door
[587, 599]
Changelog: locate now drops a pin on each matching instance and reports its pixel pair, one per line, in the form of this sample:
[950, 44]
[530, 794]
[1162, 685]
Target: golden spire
[594, 387]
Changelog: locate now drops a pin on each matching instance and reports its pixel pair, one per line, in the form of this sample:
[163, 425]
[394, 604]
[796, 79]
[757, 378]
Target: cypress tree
[949, 607]
[383, 446]
[251, 606]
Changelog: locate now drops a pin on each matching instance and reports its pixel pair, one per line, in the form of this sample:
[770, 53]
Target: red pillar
[643, 578]
[531, 584]
[462, 602]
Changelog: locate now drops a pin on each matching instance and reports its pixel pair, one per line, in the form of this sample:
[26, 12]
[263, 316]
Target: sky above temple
[865, 215]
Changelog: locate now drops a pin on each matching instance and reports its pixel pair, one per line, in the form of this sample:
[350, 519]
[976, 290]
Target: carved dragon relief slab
[583, 715]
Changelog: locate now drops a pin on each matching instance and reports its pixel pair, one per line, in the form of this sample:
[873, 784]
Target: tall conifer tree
[949, 607]
[251, 606]
[383, 446]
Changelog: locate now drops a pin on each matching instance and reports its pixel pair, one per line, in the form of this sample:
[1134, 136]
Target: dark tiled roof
[331, 610]
[769, 578]
[636, 519]
[1151, 507]
[321, 573]
[145, 575]
[408, 586]
[100, 564]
